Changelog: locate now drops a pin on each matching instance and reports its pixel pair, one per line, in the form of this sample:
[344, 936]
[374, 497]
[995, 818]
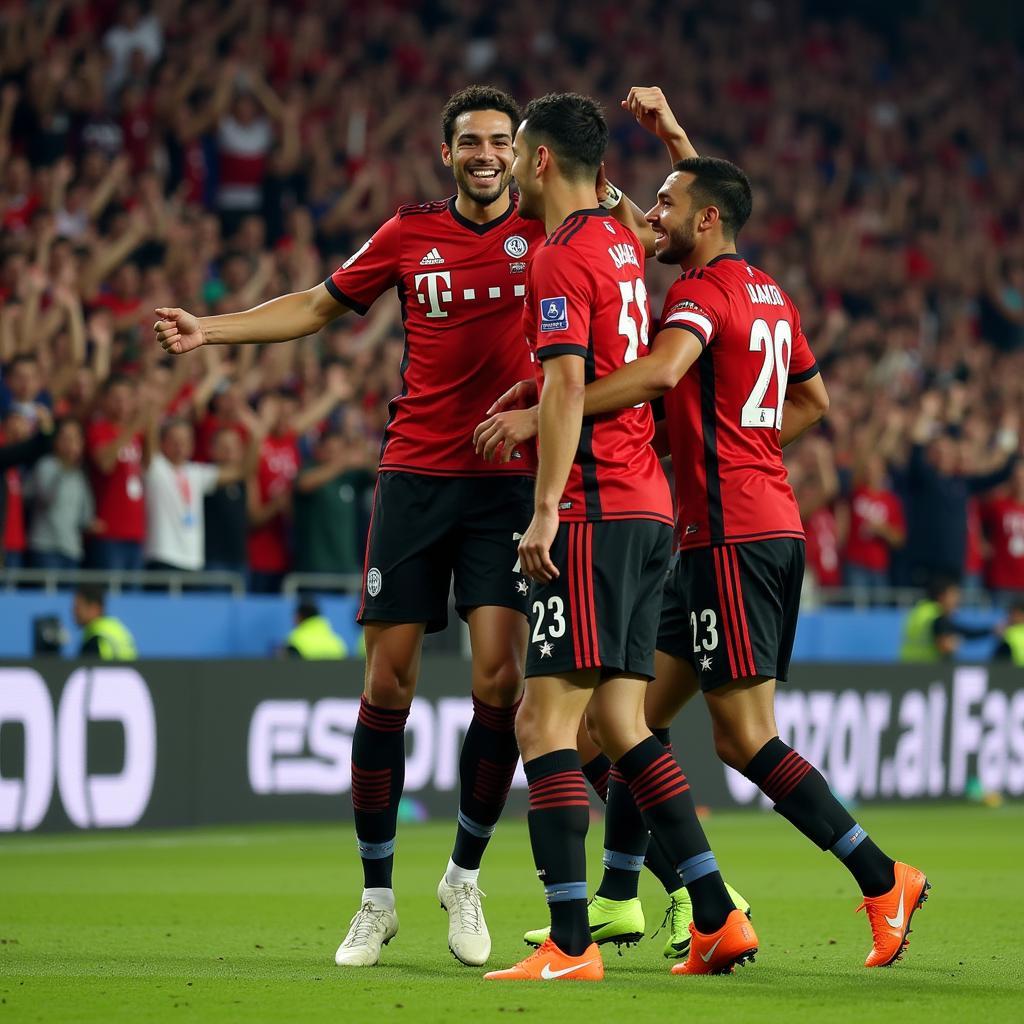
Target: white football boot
[468, 938]
[370, 929]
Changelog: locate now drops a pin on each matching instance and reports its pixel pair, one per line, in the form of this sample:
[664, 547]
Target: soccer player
[597, 550]
[615, 913]
[729, 613]
[439, 510]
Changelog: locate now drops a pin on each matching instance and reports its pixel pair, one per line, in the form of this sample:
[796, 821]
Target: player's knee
[499, 683]
[528, 730]
[729, 751]
[387, 686]
[616, 735]
[593, 730]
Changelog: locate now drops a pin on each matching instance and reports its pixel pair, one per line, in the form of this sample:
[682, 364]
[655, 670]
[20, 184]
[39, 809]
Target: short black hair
[574, 127]
[91, 592]
[723, 185]
[939, 584]
[478, 97]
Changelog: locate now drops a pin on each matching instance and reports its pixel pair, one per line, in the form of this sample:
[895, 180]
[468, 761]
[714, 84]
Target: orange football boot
[890, 914]
[734, 943]
[549, 963]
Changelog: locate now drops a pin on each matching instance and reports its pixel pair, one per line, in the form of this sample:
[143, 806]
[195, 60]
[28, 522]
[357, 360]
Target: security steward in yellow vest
[1011, 648]
[930, 632]
[103, 636]
[313, 639]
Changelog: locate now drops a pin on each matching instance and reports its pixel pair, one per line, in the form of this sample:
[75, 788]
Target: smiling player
[440, 511]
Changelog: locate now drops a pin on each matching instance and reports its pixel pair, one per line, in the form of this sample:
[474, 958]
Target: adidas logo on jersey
[432, 259]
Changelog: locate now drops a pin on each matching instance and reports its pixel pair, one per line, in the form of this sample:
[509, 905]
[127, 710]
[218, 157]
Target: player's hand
[651, 110]
[496, 438]
[519, 396]
[535, 547]
[178, 331]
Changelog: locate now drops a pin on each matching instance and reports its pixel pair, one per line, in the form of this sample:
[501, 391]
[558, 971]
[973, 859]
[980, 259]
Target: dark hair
[939, 584]
[478, 97]
[723, 185]
[575, 129]
[174, 421]
[22, 359]
[307, 607]
[91, 592]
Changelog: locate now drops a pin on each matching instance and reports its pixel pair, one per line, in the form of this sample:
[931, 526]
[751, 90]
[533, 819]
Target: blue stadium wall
[215, 626]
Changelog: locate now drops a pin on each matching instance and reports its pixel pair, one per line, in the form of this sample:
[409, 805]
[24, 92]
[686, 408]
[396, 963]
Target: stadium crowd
[211, 155]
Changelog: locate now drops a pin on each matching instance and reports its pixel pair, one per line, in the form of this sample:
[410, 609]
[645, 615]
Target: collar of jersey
[597, 212]
[480, 229]
[724, 256]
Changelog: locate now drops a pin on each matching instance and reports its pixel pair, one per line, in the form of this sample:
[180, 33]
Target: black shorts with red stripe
[731, 610]
[427, 530]
[603, 609]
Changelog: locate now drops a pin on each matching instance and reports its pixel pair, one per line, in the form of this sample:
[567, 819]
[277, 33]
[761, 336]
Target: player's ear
[446, 154]
[710, 218]
[542, 159]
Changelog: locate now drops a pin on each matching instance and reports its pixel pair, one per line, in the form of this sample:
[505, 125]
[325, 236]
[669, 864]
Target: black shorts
[731, 611]
[602, 610]
[426, 529]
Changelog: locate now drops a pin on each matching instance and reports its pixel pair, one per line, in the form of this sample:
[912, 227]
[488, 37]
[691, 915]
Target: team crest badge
[553, 315]
[373, 581]
[516, 246]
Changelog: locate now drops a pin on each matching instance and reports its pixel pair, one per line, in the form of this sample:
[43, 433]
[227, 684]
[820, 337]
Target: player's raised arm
[282, 319]
[651, 110]
[648, 105]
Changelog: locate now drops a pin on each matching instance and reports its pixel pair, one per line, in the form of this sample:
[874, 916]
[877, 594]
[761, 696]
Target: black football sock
[378, 776]
[486, 766]
[662, 795]
[626, 837]
[625, 842]
[558, 819]
[597, 770]
[801, 795]
[658, 862]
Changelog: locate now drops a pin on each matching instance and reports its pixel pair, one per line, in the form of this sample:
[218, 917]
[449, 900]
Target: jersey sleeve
[370, 271]
[564, 293]
[696, 306]
[802, 365]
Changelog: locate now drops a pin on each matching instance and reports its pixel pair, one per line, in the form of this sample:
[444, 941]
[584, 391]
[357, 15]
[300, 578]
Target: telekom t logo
[435, 282]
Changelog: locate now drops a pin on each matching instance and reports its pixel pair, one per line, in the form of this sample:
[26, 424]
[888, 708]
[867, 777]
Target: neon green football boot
[618, 921]
[678, 917]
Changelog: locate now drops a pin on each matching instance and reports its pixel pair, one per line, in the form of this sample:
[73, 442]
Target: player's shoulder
[437, 206]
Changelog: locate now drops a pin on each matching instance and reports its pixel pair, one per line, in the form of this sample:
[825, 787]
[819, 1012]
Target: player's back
[586, 297]
[725, 415]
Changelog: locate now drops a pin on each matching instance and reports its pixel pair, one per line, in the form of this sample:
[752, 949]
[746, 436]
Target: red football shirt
[868, 509]
[585, 297]
[119, 494]
[461, 286]
[725, 415]
[278, 467]
[14, 525]
[823, 548]
[1003, 520]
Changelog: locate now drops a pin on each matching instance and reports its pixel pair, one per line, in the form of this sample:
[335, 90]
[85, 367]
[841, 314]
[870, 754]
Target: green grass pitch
[241, 924]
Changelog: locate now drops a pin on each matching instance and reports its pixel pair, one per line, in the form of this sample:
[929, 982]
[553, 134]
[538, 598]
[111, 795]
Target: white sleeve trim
[686, 316]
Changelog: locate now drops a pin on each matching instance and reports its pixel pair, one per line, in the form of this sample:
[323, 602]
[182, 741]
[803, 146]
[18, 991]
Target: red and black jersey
[461, 286]
[725, 415]
[586, 297]
[1003, 521]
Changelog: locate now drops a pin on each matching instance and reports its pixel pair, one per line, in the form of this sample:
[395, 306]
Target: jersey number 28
[777, 347]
